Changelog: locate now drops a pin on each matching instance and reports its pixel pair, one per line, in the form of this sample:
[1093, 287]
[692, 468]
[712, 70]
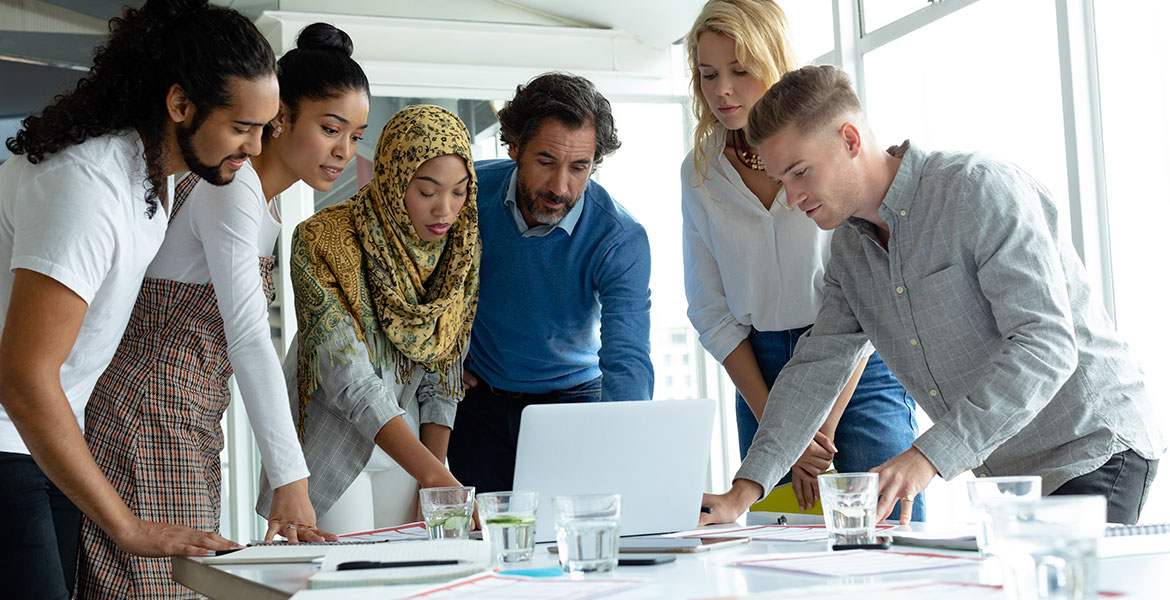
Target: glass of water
[850, 504]
[986, 493]
[509, 523]
[1048, 547]
[447, 511]
[587, 531]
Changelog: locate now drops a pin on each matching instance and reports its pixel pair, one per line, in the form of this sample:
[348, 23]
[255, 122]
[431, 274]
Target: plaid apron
[153, 425]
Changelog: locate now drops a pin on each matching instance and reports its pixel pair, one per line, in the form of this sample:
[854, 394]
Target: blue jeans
[877, 424]
[39, 530]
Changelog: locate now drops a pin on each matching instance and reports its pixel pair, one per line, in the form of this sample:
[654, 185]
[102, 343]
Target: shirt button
[900, 289]
[913, 341]
[933, 392]
[902, 212]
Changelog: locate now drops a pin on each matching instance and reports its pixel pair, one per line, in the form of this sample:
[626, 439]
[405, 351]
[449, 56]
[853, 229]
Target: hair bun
[323, 36]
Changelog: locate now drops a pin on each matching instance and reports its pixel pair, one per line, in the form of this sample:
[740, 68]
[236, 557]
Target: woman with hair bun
[153, 422]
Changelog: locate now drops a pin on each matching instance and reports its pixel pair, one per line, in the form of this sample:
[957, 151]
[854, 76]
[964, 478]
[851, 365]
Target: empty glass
[587, 531]
[447, 511]
[509, 523]
[1047, 548]
[987, 492]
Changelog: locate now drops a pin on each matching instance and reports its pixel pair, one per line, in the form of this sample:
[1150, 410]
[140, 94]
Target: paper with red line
[856, 563]
[772, 533]
[398, 533]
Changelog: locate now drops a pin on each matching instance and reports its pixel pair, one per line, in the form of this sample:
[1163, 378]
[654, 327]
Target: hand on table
[725, 508]
[293, 517]
[900, 479]
[815, 460]
[148, 538]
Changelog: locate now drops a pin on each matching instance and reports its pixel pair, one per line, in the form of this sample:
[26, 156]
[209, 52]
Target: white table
[691, 576]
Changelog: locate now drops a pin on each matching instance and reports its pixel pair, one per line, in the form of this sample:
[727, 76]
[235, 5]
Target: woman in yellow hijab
[386, 286]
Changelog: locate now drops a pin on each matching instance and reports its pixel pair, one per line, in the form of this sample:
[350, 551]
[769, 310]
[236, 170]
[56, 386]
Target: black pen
[229, 551]
[373, 564]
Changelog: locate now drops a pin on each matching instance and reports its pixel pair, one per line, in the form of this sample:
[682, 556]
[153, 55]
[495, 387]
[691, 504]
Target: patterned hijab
[363, 259]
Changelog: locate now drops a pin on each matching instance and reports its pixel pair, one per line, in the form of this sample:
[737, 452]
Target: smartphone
[644, 560]
[882, 542]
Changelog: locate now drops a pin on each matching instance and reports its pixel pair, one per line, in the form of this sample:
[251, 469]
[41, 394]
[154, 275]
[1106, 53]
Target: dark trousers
[482, 450]
[1124, 480]
[39, 529]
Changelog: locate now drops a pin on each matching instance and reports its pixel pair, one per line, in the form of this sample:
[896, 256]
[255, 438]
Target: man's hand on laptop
[725, 508]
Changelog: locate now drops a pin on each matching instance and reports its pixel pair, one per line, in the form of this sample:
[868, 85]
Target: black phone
[881, 542]
[643, 560]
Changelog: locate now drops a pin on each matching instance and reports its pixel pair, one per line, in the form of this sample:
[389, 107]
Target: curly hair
[570, 99]
[166, 42]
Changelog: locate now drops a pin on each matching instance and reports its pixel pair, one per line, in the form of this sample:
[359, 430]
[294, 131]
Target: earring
[276, 133]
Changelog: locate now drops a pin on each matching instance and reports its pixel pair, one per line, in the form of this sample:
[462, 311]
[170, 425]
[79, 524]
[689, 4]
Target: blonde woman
[754, 268]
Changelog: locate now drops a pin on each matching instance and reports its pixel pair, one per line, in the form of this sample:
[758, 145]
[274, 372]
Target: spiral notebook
[1130, 540]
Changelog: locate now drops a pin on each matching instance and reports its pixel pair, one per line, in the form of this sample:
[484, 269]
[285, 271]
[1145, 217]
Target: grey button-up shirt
[982, 309]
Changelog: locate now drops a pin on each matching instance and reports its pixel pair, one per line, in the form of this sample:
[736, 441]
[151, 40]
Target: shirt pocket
[954, 324]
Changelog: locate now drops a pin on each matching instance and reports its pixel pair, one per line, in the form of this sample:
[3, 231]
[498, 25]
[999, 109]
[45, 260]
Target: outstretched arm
[44, 318]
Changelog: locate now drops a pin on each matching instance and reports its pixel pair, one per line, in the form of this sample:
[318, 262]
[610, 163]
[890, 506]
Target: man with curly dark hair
[178, 86]
[564, 297]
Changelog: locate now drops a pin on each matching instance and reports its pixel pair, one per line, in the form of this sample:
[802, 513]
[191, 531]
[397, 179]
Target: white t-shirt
[79, 217]
[746, 266]
[217, 237]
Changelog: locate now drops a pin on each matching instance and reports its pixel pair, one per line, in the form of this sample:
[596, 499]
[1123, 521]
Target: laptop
[652, 453]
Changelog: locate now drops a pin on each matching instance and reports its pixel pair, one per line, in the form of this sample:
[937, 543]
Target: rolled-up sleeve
[435, 405]
[707, 309]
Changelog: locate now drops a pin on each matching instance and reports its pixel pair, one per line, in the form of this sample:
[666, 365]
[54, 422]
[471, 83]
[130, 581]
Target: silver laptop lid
[652, 453]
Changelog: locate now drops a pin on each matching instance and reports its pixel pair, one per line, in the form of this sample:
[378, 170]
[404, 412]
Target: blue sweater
[559, 310]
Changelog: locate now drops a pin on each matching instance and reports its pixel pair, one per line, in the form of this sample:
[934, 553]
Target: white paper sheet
[772, 533]
[503, 587]
[856, 563]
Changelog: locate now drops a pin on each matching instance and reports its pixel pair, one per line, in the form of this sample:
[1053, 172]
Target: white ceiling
[657, 23]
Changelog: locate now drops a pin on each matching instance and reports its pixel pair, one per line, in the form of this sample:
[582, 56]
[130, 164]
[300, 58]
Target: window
[1135, 117]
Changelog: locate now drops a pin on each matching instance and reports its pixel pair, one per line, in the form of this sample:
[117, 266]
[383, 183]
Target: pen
[222, 552]
[373, 564]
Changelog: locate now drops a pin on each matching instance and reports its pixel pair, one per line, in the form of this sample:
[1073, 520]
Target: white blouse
[745, 266]
[217, 237]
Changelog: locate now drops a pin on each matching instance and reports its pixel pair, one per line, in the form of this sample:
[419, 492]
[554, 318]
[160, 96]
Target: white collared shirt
[744, 265]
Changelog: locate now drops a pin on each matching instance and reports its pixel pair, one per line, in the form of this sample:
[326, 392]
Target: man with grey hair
[564, 297]
[953, 265]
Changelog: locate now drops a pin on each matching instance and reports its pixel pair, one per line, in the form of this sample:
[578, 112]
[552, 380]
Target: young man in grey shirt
[953, 266]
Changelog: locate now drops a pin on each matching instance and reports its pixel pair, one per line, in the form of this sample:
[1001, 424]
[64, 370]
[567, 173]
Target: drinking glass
[1047, 548]
[509, 523]
[850, 505]
[447, 511]
[587, 531]
[987, 492]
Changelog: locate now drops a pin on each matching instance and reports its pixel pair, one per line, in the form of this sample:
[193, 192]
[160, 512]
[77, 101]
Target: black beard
[212, 174]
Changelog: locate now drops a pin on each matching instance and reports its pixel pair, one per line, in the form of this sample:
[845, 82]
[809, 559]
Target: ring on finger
[290, 526]
[907, 498]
